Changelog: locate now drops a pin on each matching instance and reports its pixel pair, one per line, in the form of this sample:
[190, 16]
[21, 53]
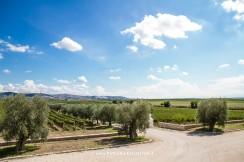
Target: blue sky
[139, 48]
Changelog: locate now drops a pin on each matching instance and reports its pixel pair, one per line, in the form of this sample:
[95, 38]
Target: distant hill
[64, 96]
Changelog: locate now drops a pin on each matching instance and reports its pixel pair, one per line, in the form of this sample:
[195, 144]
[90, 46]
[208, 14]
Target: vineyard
[186, 115]
[60, 121]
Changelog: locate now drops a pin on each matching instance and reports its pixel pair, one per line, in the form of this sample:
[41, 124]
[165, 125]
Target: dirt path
[168, 146]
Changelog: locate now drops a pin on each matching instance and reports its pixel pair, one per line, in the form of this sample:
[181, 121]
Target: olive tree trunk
[20, 144]
[132, 131]
[211, 126]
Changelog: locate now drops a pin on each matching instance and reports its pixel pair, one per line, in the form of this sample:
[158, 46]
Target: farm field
[186, 115]
[231, 103]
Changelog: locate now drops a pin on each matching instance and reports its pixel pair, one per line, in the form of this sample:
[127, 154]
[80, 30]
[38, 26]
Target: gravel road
[168, 146]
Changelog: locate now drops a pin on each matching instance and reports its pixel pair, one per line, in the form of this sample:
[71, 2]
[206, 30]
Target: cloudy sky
[134, 48]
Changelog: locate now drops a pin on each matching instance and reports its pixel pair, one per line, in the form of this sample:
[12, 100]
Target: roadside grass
[236, 126]
[202, 131]
[41, 148]
[186, 115]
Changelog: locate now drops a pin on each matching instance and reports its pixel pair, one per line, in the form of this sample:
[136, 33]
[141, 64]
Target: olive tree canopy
[24, 119]
[211, 112]
[134, 117]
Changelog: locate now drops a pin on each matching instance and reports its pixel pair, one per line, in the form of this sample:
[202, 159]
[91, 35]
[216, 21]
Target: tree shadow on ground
[97, 127]
[11, 150]
[119, 141]
[205, 132]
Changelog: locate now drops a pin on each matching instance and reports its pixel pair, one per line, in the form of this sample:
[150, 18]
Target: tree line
[27, 118]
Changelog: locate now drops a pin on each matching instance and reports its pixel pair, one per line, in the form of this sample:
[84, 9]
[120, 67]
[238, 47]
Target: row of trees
[27, 118]
[132, 116]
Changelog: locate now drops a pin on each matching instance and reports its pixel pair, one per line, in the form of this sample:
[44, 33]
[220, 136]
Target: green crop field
[186, 115]
[231, 103]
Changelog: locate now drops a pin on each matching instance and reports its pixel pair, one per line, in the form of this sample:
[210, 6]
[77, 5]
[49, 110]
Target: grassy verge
[42, 148]
[231, 127]
[217, 129]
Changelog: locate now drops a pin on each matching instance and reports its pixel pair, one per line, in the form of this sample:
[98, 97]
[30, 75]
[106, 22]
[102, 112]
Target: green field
[231, 103]
[186, 115]
[55, 101]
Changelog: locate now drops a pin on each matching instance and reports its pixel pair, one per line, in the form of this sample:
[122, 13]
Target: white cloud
[18, 47]
[222, 66]
[178, 88]
[167, 88]
[185, 73]
[61, 81]
[1, 56]
[132, 48]
[114, 78]
[171, 68]
[161, 88]
[152, 77]
[166, 68]
[149, 31]
[100, 90]
[236, 6]
[30, 86]
[227, 87]
[68, 44]
[241, 62]
[1, 87]
[82, 79]
[6, 71]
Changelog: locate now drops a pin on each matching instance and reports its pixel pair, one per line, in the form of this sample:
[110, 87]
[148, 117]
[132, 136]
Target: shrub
[211, 112]
[166, 104]
[193, 104]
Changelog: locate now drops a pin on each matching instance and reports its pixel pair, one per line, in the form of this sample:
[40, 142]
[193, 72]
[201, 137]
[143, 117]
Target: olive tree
[134, 117]
[96, 113]
[211, 112]
[24, 119]
[108, 113]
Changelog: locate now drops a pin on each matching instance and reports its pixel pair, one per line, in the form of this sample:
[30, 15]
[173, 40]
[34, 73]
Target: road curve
[168, 146]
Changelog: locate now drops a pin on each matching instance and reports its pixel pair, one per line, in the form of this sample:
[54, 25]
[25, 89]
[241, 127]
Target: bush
[211, 112]
[193, 104]
[116, 101]
[166, 104]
